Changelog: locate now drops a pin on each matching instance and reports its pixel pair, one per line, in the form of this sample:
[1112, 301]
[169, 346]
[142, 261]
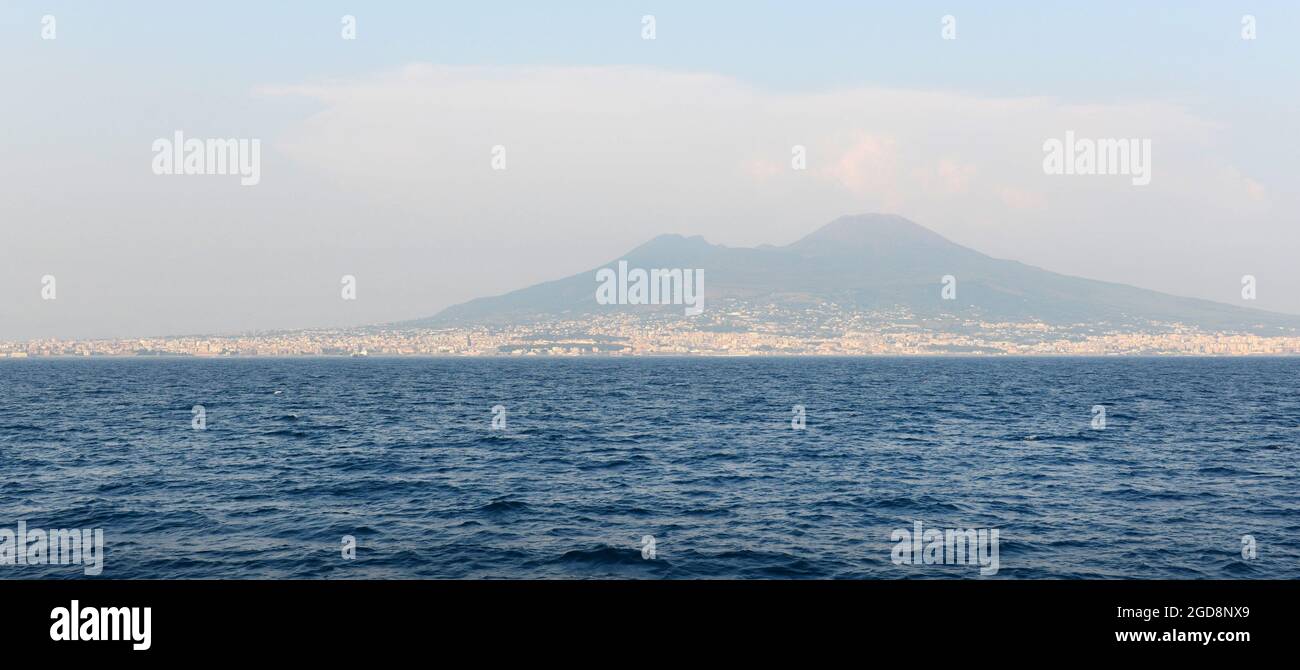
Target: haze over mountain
[870, 262]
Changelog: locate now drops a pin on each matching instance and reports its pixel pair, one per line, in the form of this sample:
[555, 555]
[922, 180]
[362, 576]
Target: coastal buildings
[738, 330]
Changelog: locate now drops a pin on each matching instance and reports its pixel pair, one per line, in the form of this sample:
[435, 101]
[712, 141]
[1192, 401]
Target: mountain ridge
[869, 262]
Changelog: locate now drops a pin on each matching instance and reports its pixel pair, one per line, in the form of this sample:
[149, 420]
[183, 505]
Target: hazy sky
[376, 152]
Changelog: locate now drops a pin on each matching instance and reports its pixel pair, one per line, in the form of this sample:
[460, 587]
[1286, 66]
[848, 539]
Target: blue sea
[699, 454]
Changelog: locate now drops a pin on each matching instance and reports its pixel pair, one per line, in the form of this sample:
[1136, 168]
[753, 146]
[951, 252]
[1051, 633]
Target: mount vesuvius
[870, 263]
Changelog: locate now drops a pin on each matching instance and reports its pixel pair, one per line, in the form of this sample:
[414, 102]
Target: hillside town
[734, 330]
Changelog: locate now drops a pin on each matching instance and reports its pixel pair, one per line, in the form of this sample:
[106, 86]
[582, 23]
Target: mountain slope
[870, 262]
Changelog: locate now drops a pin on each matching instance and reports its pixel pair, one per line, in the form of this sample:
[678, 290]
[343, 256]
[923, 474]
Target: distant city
[733, 328]
[867, 284]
